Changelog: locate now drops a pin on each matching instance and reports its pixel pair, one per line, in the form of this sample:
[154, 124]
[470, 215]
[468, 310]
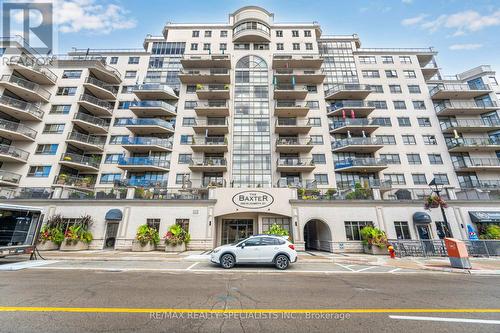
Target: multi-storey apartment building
[230, 128]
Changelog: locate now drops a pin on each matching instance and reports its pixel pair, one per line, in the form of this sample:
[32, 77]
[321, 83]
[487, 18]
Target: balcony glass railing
[35, 65]
[213, 181]
[9, 177]
[112, 89]
[471, 142]
[45, 94]
[297, 182]
[209, 71]
[445, 124]
[213, 104]
[347, 87]
[482, 184]
[141, 182]
[213, 87]
[211, 122]
[22, 105]
[144, 161]
[76, 181]
[356, 142]
[476, 162]
[295, 161]
[146, 141]
[362, 162]
[458, 87]
[14, 152]
[293, 87]
[292, 122]
[289, 104]
[352, 122]
[154, 87]
[150, 122]
[348, 104]
[90, 139]
[293, 141]
[81, 159]
[209, 161]
[210, 140]
[91, 119]
[464, 105]
[96, 101]
[154, 104]
[18, 128]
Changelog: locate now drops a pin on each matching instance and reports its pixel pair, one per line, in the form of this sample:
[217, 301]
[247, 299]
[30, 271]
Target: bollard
[457, 252]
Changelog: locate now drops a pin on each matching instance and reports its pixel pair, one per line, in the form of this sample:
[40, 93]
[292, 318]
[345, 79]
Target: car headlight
[216, 250]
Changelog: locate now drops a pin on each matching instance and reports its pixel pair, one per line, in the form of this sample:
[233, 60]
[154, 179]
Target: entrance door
[234, 230]
[423, 231]
[111, 232]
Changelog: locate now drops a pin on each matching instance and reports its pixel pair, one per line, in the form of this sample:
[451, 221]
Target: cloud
[460, 47]
[414, 20]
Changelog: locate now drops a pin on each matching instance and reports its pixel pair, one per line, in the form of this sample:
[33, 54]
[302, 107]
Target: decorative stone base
[47, 246]
[137, 247]
[175, 248]
[79, 246]
[375, 250]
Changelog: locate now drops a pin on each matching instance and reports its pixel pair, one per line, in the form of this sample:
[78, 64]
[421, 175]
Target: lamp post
[437, 188]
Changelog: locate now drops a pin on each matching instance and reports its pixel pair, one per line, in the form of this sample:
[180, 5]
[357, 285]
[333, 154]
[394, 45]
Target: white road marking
[25, 264]
[189, 268]
[345, 266]
[394, 270]
[453, 320]
[365, 269]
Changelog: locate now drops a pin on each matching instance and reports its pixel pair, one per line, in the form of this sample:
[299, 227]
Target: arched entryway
[317, 236]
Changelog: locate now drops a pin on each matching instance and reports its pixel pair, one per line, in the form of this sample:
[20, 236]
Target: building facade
[230, 128]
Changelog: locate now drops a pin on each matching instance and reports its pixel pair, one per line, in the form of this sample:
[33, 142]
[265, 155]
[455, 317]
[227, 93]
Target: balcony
[429, 71]
[294, 145]
[455, 108]
[313, 61]
[467, 164]
[206, 61]
[86, 142]
[90, 123]
[96, 64]
[154, 91]
[458, 91]
[481, 184]
[100, 89]
[290, 91]
[357, 145]
[146, 126]
[86, 183]
[20, 109]
[212, 109]
[146, 144]
[348, 91]
[209, 144]
[294, 164]
[32, 70]
[470, 125]
[251, 32]
[361, 165]
[12, 154]
[220, 91]
[16, 132]
[143, 164]
[153, 109]
[288, 75]
[356, 126]
[96, 106]
[208, 164]
[209, 126]
[346, 109]
[80, 162]
[9, 178]
[212, 75]
[290, 126]
[213, 182]
[297, 182]
[290, 109]
[27, 90]
[463, 145]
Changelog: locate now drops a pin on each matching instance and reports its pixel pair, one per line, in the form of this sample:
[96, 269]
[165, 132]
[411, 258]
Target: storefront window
[353, 228]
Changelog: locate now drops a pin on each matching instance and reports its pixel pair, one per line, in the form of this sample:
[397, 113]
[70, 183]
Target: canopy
[482, 217]
[114, 215]
[421, 217]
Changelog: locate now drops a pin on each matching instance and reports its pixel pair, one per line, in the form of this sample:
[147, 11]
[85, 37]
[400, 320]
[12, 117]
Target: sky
[466, 33]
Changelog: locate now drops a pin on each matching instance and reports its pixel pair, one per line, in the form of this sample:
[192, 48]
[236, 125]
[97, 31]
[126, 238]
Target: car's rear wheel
[281, 262]
[227, 261]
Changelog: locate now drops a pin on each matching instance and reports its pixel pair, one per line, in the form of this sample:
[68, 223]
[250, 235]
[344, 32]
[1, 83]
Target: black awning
[421, 217]
[485, 217]
[114, 215]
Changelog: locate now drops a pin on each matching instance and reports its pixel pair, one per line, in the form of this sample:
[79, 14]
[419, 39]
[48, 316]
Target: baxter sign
[253, 199]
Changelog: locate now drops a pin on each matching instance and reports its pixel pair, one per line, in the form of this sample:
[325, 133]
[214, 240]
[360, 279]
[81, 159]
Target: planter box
[47, 246]
[175, 248]
[136, 247]
[375, 250]
[79, 246]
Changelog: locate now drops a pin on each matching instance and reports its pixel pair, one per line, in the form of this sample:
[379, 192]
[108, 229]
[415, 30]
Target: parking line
[189, 268]
[394, 270]
[365, 269]
[453, 320]
[345, 266]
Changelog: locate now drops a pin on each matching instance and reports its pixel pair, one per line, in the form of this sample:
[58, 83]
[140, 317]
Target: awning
[485, 217]
[114, 215]
[421, 217]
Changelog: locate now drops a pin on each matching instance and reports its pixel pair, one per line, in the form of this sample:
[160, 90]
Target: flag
[349, 134]
[293, 80]
[455, 133]
[343, 114]
[352, 114]
[275, 81]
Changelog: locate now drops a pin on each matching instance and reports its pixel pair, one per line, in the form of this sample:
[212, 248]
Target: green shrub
[80, 231]
[491, 232]
[373, 237]
[147, 235]
[277, 230]
[176, 235]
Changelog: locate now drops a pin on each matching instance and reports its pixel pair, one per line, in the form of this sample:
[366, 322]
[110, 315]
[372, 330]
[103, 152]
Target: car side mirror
[243, 245]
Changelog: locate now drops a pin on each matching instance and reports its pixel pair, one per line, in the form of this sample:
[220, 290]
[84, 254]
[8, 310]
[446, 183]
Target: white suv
[267, 249]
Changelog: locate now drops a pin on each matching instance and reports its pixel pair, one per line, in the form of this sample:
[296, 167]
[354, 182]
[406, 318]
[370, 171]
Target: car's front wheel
[227, 261]
[281, 262]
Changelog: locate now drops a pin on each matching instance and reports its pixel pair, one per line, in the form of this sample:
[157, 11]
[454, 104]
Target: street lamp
[437, 188]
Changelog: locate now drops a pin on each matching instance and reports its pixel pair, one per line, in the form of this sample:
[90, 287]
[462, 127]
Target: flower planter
[47, 246]
[375, 250]
[137, 247]
[175, 248]
[78, 246]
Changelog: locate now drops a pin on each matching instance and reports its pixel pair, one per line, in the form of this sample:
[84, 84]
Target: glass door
[233, 230]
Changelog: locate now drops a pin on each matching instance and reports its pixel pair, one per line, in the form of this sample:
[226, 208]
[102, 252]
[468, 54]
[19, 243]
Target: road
[45, 301]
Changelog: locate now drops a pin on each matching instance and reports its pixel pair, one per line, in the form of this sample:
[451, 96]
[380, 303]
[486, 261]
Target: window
[245, 46]
[493, 81]
[133, 60]
[190, 88]
[443, 229]
[418, 105]
[441, 178]
[387, 60]
[319, 158]
[376, 88]
[317, 139]
[391, 73]
[321, 178]
[122, 121]
[395, 178]
[386, 139]
[419, 179]
[124, 104]
[185, 158]
[168, 48]
[296, 46]
[182, 178]
[391, 158]
[395, 89]
[222, 46]
[424, 122]
[409, 74]
[118, 139]
[71, 74]
[429, 139]
[309, 46]
[382, 105]
[110, 178]
[188, 121]
[41, 171]
[208, 33]
[370, 74]
[195, 33]
[186, 139]
[409, 140]
[414, 158]
[113, 61]
[399, 105]
[206, 46]
[261, 47]
[153, 223]
[112, 158]
[382, 121]
[414, 89]
[223, 33]
[127, 89]
[279, 47]
[307, 33]
[194, 46]
[295, 33]
[184, 223]
[190, 104]
[402, 230]
[367, 60]
[353, 228]
[316, 122]
[312, 105]
[312, 89]
[66, 91]
[405, 59]
[130, 74]
[404, 121]
[46, 149]
[60, 109]
[435, 159]
[53, 128]
[279, 33]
